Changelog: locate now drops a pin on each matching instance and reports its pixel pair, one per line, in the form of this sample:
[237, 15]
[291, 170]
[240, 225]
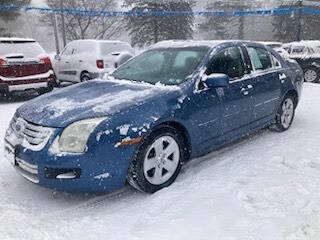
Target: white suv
[82, 60]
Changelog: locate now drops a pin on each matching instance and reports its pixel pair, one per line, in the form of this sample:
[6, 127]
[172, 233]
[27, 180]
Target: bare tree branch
[84, 27]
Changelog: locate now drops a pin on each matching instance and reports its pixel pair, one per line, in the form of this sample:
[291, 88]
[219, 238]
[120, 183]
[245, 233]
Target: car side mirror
[217, 80]
[115, 53]
[57, 57]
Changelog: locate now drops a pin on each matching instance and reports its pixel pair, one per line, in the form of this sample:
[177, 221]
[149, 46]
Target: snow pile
[265, 187]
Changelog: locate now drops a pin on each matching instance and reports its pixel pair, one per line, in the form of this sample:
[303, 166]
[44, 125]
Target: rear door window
[260, 58]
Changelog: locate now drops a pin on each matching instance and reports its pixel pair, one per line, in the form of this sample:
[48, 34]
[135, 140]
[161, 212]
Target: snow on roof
[194, 43]
[99, 41]
[307, 43]
[6, 39]
[185, 43]
[274, 44]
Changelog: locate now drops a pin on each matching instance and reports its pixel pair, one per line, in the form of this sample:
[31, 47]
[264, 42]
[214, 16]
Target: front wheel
[311, 74]
[285, 115]
[158, 160]
[42, 91]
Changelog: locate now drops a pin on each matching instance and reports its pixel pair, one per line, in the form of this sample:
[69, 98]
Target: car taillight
[100, 64]
[46, 60]
[2, 62]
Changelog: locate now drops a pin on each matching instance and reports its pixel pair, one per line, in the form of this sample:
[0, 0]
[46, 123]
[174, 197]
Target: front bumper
[102, 170]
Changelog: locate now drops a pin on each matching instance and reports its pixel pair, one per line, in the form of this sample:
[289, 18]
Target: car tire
[150, 170]
[44, 90]
[285, 114]
[85, 76]
[5, 96]
[311, 74]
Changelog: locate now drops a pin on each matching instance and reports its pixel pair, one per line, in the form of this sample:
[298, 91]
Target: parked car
[176, 101]
[83, 60]
[277, 46]
[24, 66]
[307, 54]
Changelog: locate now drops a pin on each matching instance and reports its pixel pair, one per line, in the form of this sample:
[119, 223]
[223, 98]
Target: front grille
[31, 136]
[27, 170]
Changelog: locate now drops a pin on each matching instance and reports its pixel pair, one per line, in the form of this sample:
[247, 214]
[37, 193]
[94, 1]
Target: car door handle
[246, 90]
[282, 77]
[81, 61]
[66, 62]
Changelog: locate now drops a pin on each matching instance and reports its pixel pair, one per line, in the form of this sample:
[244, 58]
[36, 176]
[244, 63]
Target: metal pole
[56, 36]
[299, 21]
[64, 39]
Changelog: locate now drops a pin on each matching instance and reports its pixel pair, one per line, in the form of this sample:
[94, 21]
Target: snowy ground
[265, 187]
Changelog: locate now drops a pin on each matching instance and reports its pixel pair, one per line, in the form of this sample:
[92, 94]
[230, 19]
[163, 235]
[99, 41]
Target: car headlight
[74, 138]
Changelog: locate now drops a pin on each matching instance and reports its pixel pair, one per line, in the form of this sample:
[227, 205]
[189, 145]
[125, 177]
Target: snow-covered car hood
[96, 98]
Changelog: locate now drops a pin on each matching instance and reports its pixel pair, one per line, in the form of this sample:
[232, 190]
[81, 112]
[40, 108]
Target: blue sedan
[176, 101]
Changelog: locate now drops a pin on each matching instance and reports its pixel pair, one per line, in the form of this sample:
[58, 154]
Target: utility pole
[56, 36]
[64, 39]
[299, 20]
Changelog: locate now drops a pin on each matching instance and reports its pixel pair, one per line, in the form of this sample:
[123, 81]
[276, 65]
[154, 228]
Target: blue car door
[267, 86]
[236, 99]
[205, 113]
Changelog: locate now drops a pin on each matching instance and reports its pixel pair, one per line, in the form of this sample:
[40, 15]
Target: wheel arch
[83, 72]
[183, 131]
[294, 94]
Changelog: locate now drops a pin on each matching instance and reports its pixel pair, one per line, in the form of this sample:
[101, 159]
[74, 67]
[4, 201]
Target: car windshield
[169, 66]
[27, 49]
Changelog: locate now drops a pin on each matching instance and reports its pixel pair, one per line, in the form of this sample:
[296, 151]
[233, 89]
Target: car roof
[276, 44]
[6, 39]
[100, 41]
[305, 43]
[195, 43]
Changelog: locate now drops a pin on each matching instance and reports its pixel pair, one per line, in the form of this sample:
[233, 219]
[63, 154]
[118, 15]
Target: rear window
[298, 50]
[79, 47]
[107, 48]
[27, 49]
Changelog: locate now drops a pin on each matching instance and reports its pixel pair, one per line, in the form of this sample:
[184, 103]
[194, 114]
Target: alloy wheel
[161, 160]
[287, 113]
[310, 75]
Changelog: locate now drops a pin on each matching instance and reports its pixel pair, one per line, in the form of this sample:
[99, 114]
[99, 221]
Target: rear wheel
[311, 74]
[158, 160]
[285, 114]
[85, 76]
